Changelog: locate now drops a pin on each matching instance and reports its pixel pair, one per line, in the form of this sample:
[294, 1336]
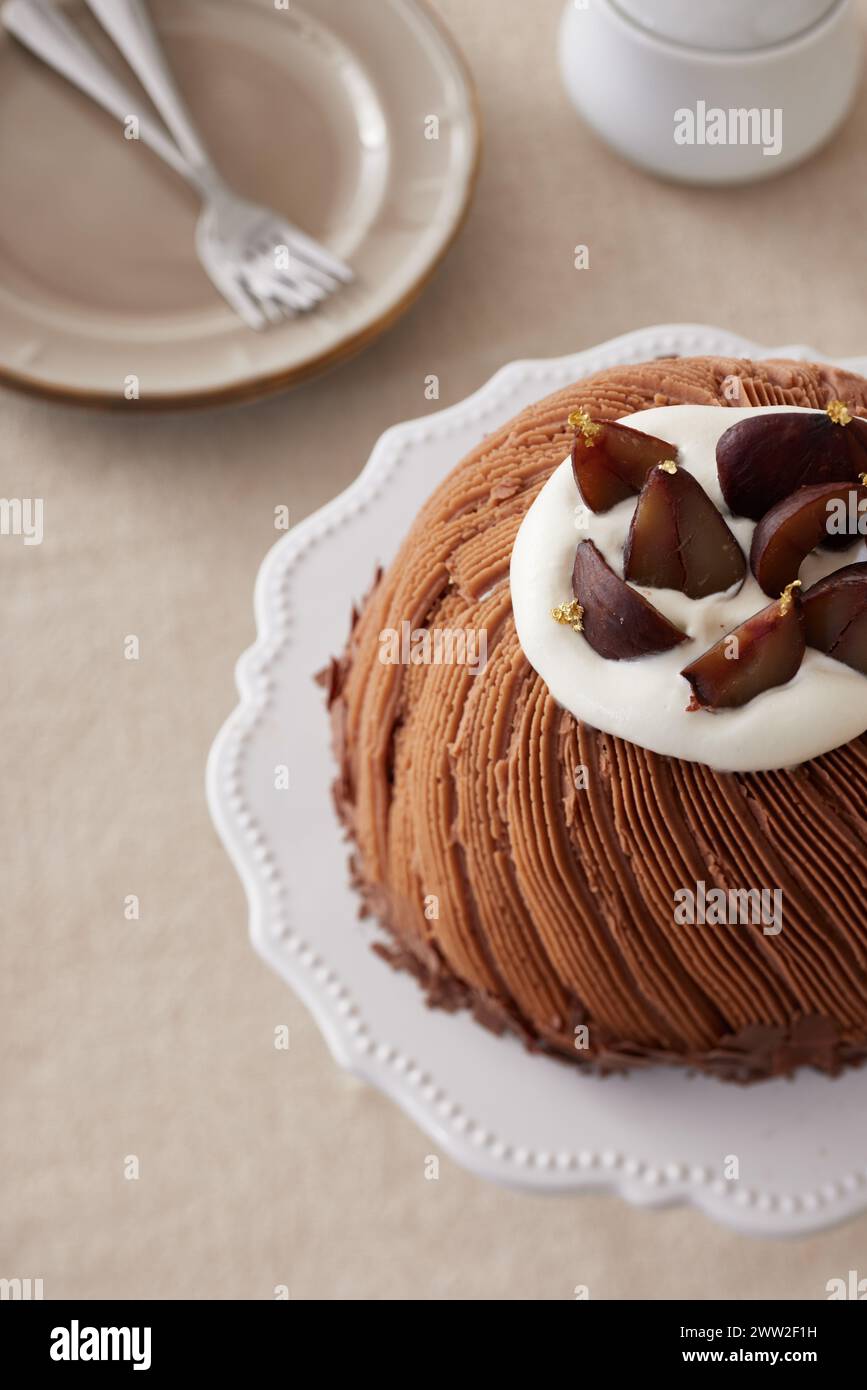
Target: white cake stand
[655, 1137]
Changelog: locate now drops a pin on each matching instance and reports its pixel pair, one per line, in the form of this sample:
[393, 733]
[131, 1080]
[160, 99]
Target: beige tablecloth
[154, 1037]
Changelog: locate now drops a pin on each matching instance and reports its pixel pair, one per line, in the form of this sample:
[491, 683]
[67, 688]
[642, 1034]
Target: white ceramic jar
[726, 25]
[711, 91]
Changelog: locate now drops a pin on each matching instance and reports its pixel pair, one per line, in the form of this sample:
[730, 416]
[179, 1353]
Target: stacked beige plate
[357, 121]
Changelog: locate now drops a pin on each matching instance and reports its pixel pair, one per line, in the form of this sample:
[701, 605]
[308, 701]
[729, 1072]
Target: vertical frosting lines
[526, 864]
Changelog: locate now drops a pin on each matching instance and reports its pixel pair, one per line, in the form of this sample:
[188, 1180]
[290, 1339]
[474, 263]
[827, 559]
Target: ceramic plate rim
[268, 383]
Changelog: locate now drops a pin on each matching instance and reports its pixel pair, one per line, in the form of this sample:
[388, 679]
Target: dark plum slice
[763, 652]
[610, 462]
[791, 529]
[765, 458]
[678, 539]
[835, 616]
[616, 620]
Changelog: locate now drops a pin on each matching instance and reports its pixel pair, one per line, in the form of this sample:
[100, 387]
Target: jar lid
[725, 25]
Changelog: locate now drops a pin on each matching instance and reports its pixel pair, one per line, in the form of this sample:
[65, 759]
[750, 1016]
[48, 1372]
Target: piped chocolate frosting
[526, 866]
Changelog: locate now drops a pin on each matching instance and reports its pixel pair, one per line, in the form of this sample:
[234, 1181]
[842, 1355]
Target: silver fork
[265, 267]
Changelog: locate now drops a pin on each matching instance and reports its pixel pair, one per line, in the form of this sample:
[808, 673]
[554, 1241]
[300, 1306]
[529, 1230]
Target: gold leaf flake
[838, 412]
[786, 597]
[571, 614]
[580, 420]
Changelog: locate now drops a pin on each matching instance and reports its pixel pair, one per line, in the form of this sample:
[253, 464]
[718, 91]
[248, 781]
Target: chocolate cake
[568, 877]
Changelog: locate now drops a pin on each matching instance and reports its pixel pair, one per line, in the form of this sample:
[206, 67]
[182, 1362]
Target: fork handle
[48, 33]
[129, 24]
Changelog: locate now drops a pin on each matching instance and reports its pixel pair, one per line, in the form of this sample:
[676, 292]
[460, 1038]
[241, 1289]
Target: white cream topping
[645, 700]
